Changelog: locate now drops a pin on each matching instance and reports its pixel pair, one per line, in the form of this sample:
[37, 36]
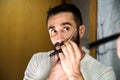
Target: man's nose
[60, 37]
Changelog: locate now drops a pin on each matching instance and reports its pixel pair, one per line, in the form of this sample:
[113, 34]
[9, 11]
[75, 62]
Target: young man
[73, 63]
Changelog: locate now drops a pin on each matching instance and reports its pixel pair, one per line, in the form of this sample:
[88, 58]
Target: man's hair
[66, 8]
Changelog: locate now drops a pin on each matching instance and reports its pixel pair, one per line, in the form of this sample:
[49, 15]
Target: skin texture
[60, 27]
[118, 47]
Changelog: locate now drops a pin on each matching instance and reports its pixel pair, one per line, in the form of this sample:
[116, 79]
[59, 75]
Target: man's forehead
[60, 20]
[61, 25]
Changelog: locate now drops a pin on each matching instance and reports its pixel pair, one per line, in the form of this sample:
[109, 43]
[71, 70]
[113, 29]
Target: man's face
[60, 27]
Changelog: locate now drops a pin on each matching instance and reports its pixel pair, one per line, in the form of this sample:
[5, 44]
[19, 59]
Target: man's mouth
[58, 45]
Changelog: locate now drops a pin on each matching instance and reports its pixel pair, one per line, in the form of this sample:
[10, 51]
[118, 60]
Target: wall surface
[108, 24]
[23, 32]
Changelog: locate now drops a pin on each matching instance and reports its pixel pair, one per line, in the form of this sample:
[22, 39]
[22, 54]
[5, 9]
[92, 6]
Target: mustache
[55, 50]
[58, 44]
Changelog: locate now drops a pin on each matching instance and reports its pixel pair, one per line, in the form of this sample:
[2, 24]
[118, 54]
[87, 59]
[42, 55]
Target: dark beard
[77, 40]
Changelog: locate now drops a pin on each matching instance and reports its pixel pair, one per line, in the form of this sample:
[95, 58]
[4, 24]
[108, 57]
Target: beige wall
[23, 32]
[93, 25]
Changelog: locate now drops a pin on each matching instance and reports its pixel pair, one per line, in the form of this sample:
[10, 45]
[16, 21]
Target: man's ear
[81, 31]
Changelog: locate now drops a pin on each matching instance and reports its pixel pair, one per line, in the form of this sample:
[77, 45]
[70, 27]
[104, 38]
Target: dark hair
[66, 8]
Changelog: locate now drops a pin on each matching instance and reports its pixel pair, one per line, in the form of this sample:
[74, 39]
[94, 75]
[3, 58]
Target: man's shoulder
[93, 66]
[41, 58]
[90, 61]
[42, 54]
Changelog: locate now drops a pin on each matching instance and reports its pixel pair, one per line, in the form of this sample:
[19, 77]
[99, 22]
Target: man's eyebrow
[66, 23]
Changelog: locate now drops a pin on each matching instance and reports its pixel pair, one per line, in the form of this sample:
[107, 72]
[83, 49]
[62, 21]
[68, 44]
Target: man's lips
[58, 45]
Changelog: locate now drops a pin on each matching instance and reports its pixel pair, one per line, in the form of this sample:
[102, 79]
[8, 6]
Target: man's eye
[66, 28]
[53, 32]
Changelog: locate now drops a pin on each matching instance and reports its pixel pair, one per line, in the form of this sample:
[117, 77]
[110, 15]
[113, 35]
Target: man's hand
[70, 60]
[68, 67]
